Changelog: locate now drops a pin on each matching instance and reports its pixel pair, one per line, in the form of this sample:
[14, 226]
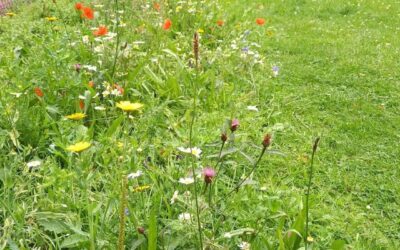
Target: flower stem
[118, 38]
[123, 202]
[194, 107]
[212, 185]
[310, 174]
[248, 175]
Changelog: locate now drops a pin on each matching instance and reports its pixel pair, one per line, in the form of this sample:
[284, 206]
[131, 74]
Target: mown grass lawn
[338, 80]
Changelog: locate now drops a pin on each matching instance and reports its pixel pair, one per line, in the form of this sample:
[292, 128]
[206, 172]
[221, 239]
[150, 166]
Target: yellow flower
[178, 8]
[200, 31]
[51, 18]
[10, 14]
[76, 116]
[140, 188]
[310, 239]
[128, 106]
[79, 147]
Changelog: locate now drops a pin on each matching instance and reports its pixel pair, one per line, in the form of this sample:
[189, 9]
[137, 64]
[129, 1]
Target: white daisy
[135, 175]
[34, 164]
[194, 151]
[184, 217]
[186, 181]
[252, 108]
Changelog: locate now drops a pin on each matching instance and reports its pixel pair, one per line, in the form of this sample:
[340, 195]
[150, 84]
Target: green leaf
[153, 76]
[55, 226]
[338, 245]
[224, 153]
[111, 130]
[12, 244]
[73, 241]
[153, 225]
[137, 243]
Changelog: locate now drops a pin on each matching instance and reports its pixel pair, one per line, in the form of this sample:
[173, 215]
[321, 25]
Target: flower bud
[224, 137]
[140, 230]
[234, 124]
[77, 67]
[266, 141]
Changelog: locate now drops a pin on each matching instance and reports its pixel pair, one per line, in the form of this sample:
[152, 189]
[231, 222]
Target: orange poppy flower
[78, 6]
[119, 88]
[157, 6]
[220, 22]
[81, 104]
[91, 84]
[88, 13]
[101, 31]
[260, 21]
[38, 92]
[167, 24]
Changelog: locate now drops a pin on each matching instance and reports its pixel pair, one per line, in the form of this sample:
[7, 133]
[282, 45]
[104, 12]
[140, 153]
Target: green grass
[338, 80]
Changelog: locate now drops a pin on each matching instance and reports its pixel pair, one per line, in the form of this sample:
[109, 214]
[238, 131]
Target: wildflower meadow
[226, 124]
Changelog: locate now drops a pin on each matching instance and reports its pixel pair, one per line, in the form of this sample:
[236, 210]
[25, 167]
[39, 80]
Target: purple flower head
[247, 32]
[208, 173]
[234, 124]
[275, 70]
[245, 49]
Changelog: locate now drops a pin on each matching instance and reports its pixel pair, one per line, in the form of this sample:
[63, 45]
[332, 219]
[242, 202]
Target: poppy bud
[266, 141]
[234, 124]
[81, 104]
[38, 92]
[224, 137]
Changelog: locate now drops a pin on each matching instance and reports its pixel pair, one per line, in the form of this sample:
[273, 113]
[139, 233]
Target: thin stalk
[118, 38]
[219, 159]
[248, 175]
[194, 173]
[194, 106]
[212, 185]
[122, 216]
[310, 174]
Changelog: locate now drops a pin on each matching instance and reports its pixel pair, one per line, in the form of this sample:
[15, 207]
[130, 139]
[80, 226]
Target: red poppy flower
[78, 6]
[260, 21]
[81, 104]
[220, 22]
[167, 24]
[88, 13]
[38, 92]
[101, 31]
[157, 6]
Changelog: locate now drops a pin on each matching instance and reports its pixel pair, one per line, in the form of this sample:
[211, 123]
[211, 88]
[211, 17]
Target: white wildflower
[194, 151]
[174, 197]
[34, 164]
[135, 175]
[244, 245]
[184, 217]
[186, 181]
[252, 108]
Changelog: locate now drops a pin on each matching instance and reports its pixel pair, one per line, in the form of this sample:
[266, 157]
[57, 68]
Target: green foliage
[337, 79]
